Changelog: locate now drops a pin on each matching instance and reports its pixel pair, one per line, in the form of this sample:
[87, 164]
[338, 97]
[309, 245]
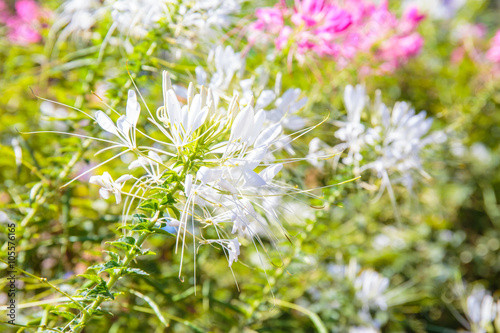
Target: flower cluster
[371, 295]
[473, 44]
[205, 166]
[389, 143]
[134, 19]
[23, 26]
[227, 72]
[340, 31]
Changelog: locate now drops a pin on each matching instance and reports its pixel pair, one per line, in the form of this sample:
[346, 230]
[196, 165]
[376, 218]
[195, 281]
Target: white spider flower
[230, 246]
[125, 125]
[226, 65]
[286, 107]
[151, 164]
[227, 72]
[203, 20]
[183, 121]
[387, 141]
[108, 186]
[202, 168]
[77, 17]
[481, 310]
[135, 18]
[192, 21]
[370, 287]
[351, 131]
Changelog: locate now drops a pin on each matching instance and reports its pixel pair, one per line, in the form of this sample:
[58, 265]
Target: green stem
[131, 255]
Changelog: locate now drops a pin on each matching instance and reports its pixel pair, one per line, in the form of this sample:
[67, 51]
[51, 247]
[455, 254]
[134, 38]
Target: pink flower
[410, 21]
[493, 53]
[282, 39]
[270, 19]
[27, 10]
[22, 33]
[341, 31]
[24, 25]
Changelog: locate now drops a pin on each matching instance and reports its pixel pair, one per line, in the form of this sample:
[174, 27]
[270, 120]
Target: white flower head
[202, 168]
[389, 142]
[108, 186]
[125, 125]
[481, 309]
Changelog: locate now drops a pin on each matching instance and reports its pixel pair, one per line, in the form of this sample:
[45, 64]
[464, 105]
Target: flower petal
[105, 122]
[133, 108]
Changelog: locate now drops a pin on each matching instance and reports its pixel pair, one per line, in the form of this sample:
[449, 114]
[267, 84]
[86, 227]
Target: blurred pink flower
[270, 19]
[22, 26]
[493, 53]
[27, 10]
[340, 30]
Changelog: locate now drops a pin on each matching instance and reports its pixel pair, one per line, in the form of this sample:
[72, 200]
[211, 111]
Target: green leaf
[64, 314]
[175, 212]
[99, 290]
[150, 205]
[100, 312]
[91, 277]
[168, 200]
[124, 243]
[141, 227]
[113, 255]
[138, 218]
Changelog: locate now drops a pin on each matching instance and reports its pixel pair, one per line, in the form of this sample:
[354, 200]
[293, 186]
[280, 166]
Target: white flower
[351, 131]
[481, 310]
[77, 17]
[370, 287]
[182, 121]
[205, 17]
[151, 164]
[135, 18]
[125, 125]
[191, 21]
[108, 186]
[211, 167]
[318, 151]
[286, 108]
[226, 64]
[390, 142]
[230, 246]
